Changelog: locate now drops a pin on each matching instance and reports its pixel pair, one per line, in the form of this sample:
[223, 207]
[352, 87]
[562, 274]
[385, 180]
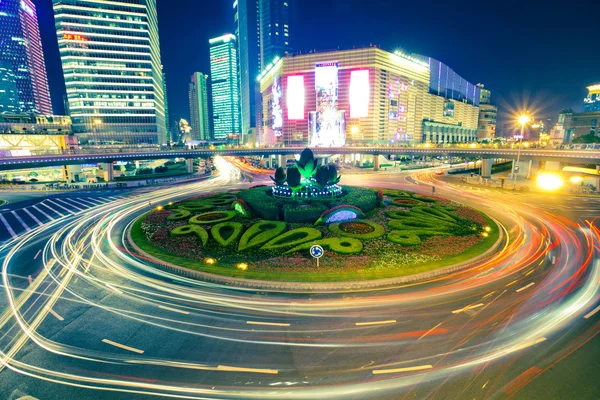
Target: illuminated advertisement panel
[359, 93]
[277, 111]
[328, 126]
[295, 97]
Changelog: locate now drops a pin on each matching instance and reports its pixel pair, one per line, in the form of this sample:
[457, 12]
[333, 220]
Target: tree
[589, 138]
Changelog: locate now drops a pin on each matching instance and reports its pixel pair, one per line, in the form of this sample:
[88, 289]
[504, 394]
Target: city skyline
[497, 53]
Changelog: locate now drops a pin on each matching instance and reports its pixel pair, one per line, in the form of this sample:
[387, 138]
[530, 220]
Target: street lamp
[523, 120]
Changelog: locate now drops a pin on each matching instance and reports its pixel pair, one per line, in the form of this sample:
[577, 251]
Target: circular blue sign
[316, 251]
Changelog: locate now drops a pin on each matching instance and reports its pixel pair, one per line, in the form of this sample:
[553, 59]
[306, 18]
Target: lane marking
[86, 202]
[512, 283]
[594, 311]
[58, 317]
[526, 287]
[43, 213]
[37, 254]
[95, 202]
[395, 370]
[68, 203]
[58, 205]
[389, 321]
[529, 273]
[27, 228]
[122, 346]
[33, 217]
[8, 227]
[240, 369]
[429, 331]
[173, 309]
[467, 308]
[266, 323]
[488, 295]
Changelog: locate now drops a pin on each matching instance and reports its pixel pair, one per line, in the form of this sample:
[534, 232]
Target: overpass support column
[189, 165]
[107, 169]
[279, 161]
[71, 173]
[486, 167]
[376, 162]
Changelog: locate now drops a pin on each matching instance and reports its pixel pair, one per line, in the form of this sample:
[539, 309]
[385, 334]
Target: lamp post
[523, 120]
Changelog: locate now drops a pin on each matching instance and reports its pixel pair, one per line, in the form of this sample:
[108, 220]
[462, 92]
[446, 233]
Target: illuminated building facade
[592, 102]
[21, 52]
[110, 54]
[9, 97]
[362, 96]
[25, 134]
[487, 114]
[225, 87]
[199, 107]
[276, 18]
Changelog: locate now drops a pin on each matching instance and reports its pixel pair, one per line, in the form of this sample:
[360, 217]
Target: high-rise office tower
[110, 53]
[21, 51]
[9, 99]
[167, 115]
[199, 107]
[488, 113]
[225, 87]
[276, 18]
[247, 31]
[592, 102]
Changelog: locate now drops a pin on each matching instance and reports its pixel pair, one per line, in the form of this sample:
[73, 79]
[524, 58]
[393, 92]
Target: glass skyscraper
[275, 29]
[247, 31]
[199, 107]
[592, 102]
[225, 87]
[21, 52]
[110, 53]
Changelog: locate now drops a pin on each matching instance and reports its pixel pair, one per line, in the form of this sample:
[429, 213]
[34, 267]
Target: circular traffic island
[366, 235]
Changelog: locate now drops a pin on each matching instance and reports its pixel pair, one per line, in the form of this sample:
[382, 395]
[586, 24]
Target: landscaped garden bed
[366, 234]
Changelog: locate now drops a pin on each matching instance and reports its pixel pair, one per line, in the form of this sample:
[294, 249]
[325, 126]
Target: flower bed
[386, 241]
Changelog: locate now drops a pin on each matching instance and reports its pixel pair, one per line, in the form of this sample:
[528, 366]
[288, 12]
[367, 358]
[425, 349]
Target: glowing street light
[576, 179]
[549, 181]
[523, 120]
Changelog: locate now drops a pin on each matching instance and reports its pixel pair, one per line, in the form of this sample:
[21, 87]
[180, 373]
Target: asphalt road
[85, 319]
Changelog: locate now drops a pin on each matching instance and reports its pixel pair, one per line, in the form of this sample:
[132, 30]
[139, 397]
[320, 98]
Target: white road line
[8, 227]
[526, 287]
[173, 309]
[37, 254]
[43, 213]
[86, 202]
[58, 205]
[429, 331]
[266, 323]
[467, 308]
[594, 311]
[58, 317]
[391, 321]
[239, 369]
[33, 217]
[21, 221]
[52, 209]
[122, 346]
[70, 204]
[96, 201]
[396, 370]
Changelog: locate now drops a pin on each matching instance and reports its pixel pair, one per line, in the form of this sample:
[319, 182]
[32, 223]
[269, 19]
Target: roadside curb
[313, 286]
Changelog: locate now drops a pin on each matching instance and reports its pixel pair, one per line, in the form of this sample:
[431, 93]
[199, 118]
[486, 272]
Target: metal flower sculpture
[280, 176]
[322, 176]
[293, 178]
[334, 178]
[307, 165]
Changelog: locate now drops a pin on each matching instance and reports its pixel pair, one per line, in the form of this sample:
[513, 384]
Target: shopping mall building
[364, 97]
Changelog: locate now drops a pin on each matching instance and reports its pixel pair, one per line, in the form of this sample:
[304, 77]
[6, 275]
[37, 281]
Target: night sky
[527, 52]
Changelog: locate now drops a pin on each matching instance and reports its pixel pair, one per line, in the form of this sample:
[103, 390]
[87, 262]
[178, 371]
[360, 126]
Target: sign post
[317, 252]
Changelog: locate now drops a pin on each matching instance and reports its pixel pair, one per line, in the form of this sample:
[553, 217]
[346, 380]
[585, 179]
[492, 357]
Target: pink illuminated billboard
[295, 97]
[359, 93]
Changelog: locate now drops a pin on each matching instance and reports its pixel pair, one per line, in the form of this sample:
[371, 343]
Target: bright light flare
[523, 119]
[210, 261]
[549, 181]
[242, 266]
[576, 179]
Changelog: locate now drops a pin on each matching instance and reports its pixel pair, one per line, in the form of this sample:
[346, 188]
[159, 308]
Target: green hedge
[198, 219]
[261, 204]
[179, 214]
[306, 213]
[337, 245]
[260, 233]
[293, 238]
[186, 230]
[235, 231]
[378, 230]
[195, 206]
[365, 199]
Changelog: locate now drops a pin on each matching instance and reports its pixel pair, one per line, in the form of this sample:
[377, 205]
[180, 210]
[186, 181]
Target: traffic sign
[317, 252]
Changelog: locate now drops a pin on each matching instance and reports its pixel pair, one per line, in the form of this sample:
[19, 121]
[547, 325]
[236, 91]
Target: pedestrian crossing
[16, 222]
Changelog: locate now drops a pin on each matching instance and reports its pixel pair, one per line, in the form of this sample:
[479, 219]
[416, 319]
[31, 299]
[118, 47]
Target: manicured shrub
[412, 223]
[186, 230]
[337, 245]
[365, 199]
[213, 217]
[374, 230]
[425, 199]
[179, 214]
[341, 213]
[261, 204]
[399, 214]
[404, 238]
[196, 207]
[227, 233]
[303, 213]
[293, 238]
[240, 207]
[260, 233]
